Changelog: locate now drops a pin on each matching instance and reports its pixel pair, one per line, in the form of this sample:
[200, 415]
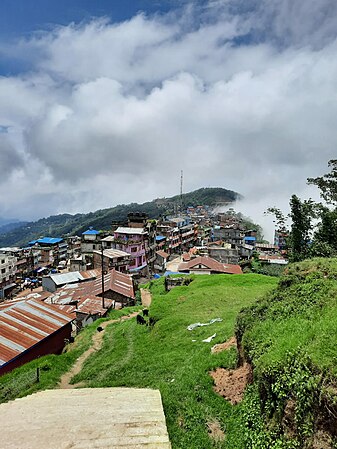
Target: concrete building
[51, 250]
[112, 258]
[7, 274]
[132, 241]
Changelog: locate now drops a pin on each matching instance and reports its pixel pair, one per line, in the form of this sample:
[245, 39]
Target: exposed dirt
[322, 440]
[97, 341]
[146, 297]
[231, 384]
[224, 346]
[215, 432]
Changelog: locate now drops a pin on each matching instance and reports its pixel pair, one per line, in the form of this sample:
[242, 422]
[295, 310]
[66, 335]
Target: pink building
[135, 242]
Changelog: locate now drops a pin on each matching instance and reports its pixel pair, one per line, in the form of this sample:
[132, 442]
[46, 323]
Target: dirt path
[97, 341]
[146, 297]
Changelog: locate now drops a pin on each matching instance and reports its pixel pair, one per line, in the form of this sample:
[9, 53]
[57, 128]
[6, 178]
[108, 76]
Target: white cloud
[111, 113]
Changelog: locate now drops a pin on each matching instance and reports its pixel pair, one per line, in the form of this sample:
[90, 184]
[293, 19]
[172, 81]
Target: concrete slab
[85, 418]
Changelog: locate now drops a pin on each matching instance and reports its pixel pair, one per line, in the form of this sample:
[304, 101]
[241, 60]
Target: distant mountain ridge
[67, 224]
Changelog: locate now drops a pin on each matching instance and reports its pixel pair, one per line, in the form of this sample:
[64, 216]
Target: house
[30, 329]
[161, 259]
[207, 265]
[90, 241]
[7, 274]
[112, 258]
[52, 282]
[132, 241]
[51, 250]
[232, 235]
[223, 253]
[120, 289]
[266, 248]
[85, 299]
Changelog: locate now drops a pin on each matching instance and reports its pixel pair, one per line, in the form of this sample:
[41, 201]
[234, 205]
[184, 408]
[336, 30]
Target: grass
[290, 337]
[22, 381]
[166, 357]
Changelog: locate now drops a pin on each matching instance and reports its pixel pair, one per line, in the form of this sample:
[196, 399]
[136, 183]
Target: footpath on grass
[65, 381]
[146, 297]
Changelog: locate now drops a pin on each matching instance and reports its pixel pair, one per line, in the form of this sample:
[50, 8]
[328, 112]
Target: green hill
[167, 356]
[290, 338]
[287, 333]
[66, 224]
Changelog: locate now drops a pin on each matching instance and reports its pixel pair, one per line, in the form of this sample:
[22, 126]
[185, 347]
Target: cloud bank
[238, 94]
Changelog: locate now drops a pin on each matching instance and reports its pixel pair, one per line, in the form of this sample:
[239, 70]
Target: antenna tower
[181, 190]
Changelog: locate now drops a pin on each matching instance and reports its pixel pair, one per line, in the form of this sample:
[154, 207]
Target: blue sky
[104, 102]
[22, 18]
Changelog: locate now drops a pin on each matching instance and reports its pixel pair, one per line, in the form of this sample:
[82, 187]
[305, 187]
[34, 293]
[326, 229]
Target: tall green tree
[325, 238]
[327, 183]
[301, 214]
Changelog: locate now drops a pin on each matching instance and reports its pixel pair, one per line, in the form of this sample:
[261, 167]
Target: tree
[301, 214]
[280, 218]
[327, 183]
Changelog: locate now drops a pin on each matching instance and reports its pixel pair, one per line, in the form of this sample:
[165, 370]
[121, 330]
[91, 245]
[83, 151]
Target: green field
[167, 358]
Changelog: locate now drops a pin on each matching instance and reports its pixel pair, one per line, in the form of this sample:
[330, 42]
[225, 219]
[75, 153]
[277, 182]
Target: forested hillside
[66, 224]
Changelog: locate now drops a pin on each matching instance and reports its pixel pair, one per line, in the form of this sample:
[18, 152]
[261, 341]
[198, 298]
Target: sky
[105, 102]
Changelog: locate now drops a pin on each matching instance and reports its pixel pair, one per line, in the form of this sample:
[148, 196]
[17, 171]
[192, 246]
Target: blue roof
[160, 237]
[250, 239]
[90, 232]
[47, 240]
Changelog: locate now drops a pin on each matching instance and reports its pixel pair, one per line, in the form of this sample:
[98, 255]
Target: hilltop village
[54, 287]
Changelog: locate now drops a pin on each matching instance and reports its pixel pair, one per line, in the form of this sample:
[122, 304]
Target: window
[3, 270]
[134, 249]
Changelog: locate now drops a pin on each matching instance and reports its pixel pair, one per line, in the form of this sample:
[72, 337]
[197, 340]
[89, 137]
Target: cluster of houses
[82, 278]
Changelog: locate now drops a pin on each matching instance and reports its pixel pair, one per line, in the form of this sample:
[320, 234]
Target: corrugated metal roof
[121, 283]
[109, 238]
[210, 264]
[47, 240]
[93, 304]
[159, 238]
[163, 254]
[125, 230]
[90, 232]
[25, 323]
[113, 253]
[66, 278]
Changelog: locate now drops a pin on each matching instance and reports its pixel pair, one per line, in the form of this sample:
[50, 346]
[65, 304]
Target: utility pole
[102, 262]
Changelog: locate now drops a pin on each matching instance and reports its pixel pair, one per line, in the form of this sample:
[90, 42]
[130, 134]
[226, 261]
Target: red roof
[93, 304]
[209, 264]
[162, 254]
[25, 323]
[121, 283]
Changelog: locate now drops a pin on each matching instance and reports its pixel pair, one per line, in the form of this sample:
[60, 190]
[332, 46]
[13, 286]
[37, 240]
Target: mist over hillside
[67, 224]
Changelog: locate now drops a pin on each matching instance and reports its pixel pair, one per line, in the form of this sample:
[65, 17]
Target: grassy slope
[291, 339]
[167, 358]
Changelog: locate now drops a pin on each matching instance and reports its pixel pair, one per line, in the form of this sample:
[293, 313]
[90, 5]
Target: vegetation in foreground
[290, 338]
[23, 381]
[175, 360]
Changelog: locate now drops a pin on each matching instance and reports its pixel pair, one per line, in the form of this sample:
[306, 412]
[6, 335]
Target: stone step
[85, 418]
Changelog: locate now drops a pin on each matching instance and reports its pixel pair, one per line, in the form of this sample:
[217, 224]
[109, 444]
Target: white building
[7, 274]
